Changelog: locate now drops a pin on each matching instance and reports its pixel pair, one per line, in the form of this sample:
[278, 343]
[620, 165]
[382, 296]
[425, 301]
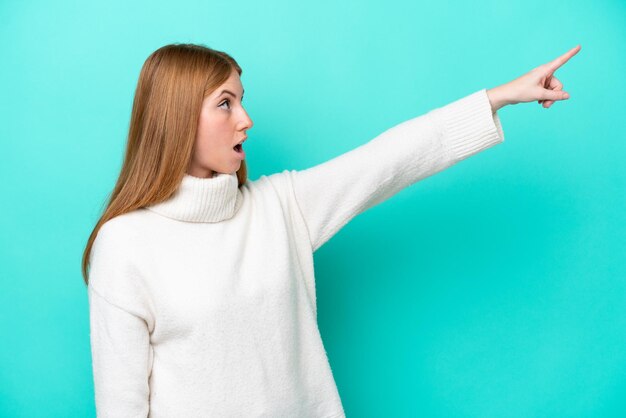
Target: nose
[247, 121]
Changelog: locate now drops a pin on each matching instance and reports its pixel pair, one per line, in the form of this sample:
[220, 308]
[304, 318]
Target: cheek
[208, 135]
[213, 131]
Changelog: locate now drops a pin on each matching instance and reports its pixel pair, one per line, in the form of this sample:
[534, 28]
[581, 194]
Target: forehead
[233, 82]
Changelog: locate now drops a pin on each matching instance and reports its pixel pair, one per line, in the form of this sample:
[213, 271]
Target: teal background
[493, 289]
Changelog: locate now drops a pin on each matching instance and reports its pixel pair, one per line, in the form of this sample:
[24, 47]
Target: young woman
[201, 283]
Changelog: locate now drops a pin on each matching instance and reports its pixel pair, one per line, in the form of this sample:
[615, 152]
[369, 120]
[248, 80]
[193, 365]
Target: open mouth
[241, 154]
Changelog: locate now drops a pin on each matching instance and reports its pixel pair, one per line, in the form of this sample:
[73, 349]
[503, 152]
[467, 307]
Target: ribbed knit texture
[463, 122]
[204, 305]
[197, 199]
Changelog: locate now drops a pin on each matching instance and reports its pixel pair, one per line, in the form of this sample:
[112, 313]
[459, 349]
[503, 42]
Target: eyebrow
[231, 93]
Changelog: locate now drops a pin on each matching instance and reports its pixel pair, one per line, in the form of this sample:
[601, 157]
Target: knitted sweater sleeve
[330, 194]
[119, 351]
[119, 330]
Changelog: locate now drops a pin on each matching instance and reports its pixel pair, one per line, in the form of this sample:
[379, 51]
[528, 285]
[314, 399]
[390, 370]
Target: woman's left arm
[330, 194]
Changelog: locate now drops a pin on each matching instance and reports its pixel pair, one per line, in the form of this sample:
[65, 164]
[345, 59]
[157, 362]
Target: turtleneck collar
[197, 199]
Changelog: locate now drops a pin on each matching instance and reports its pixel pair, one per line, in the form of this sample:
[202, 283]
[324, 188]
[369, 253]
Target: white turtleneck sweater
[204, 305]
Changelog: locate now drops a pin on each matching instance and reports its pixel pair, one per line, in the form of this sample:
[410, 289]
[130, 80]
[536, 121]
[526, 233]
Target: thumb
[554, 95]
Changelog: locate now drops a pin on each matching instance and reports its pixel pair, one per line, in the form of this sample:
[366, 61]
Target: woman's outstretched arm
[330, 194]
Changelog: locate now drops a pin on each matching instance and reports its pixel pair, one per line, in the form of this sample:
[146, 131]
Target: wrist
[496, 99]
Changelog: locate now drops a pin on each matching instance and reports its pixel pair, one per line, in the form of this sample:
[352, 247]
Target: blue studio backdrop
[495, 288]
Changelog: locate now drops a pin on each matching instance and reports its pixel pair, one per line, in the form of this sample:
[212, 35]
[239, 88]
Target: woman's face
[222, 125]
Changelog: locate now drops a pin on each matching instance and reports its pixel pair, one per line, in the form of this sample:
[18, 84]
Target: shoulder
[116, 271]
[126, 224]
[276, 185]
[117, 242]
[277, 193]
[122, 231]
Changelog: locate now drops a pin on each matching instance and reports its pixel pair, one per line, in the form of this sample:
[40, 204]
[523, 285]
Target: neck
[207, 174]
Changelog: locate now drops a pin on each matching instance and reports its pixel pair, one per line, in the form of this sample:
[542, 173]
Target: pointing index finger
[552, 66]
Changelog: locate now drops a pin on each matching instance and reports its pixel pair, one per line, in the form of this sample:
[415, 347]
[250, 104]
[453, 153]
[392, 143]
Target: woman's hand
[539, 84]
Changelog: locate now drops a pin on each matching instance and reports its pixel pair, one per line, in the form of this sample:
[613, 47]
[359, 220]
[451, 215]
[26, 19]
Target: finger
[554, 95]
[546, 84]
[553, 65]
[554, 84]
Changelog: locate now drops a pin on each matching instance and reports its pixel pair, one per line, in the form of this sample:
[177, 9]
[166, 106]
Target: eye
[225, 101]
